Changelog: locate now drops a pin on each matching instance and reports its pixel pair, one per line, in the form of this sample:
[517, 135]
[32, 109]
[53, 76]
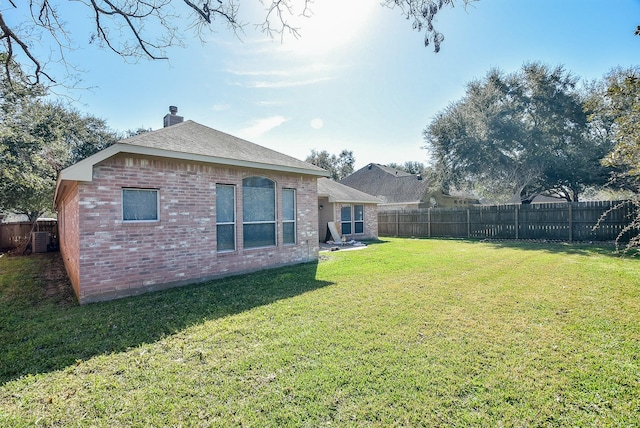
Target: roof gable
[388, 184]
[192, 138]
[337, 192]
[191, 141]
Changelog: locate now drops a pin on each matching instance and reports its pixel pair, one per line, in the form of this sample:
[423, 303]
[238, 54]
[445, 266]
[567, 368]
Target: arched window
[258, 212]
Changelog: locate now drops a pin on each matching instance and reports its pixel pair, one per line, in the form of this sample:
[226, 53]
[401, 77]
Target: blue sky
[359, 78]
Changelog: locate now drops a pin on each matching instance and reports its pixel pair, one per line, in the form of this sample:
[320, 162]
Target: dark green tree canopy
[523, 134]
[615, 113]
[616, 108]
[412, 167]
[38, 138]
[338, 166]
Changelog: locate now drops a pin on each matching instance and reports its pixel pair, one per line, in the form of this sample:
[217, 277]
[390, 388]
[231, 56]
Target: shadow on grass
[559, 247]
[43, 330]
[379, 241]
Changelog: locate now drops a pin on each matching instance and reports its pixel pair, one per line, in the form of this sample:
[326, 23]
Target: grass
[402, 333]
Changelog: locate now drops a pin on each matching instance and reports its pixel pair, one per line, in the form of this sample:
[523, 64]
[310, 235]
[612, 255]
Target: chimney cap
[172, 118]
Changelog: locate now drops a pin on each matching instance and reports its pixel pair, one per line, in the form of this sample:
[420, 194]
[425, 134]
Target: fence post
[497, 224]
[570, 222]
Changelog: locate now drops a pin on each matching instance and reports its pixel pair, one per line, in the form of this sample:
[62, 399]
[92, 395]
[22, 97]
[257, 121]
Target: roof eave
[83, 170]
[333, 199]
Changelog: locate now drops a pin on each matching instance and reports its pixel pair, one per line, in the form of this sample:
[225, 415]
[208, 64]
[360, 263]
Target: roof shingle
[388, 184]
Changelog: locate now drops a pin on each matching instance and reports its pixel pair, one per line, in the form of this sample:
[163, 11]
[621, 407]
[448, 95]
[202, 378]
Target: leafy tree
[616, 109]
[412, 167]
[523, 133]
[146, 29]
[617, 112]
[38, 138]
[339, 166]
[133, 132]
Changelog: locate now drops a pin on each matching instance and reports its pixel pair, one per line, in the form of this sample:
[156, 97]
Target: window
[352, 219]
[345, 218]
[258, 212]
[140, 205]
[225, 217]
[358, 218]
[289, 216]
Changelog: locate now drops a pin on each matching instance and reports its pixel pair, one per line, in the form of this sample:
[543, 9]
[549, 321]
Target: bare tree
[137, 29]
[422, 14]
[130, 28]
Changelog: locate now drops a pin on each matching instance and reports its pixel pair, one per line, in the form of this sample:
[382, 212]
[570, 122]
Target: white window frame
[344, 222]
[290, 221]
[352, 220]
[227, 223]
[356, 221]
[273, 222]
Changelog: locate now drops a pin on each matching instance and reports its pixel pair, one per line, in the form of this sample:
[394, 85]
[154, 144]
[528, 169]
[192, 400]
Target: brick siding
[68, 234]
[117, 258]
[370, 221]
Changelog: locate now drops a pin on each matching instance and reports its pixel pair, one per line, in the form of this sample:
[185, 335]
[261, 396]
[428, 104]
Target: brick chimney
[172, 118]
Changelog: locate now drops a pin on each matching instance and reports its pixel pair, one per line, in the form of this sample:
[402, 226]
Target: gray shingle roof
[388, 184]
[193, 138]
[337, 192]
[193, 142]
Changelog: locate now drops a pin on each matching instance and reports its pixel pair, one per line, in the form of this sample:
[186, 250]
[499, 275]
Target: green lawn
[402, 333]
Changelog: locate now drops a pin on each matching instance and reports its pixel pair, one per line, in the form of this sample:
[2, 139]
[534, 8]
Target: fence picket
[553, 221]
[13, 234]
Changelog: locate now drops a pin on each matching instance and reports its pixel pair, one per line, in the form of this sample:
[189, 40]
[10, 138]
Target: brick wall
[117, 258]
[370, 221]
[68, 235]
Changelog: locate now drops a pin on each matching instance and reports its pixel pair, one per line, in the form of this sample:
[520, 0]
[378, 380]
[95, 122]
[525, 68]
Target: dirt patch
[53, 276]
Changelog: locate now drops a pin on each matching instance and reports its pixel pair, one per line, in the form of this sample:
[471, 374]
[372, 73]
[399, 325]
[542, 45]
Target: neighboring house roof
[337, 192]
[388, 184]
[538, 199]
[191, 141]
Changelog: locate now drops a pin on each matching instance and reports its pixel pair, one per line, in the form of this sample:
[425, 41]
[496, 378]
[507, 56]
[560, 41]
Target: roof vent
[172, 118]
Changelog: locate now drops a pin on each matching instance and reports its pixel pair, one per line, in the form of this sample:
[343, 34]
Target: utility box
[40, 242]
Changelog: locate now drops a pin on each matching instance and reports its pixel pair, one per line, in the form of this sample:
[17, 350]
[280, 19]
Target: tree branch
[423, 13]
[9, 38]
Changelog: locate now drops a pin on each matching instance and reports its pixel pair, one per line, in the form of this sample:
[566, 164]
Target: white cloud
[288, 72]
[285, 78]
[265, 103]
[317, 123]
[221, 107]
[287, 83]
[261, 126]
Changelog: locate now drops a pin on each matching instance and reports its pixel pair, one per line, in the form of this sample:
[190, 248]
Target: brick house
[179, 205]
[355, 213]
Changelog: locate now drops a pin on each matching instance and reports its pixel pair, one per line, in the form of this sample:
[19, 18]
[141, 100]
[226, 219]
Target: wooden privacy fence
[554, 221]
[13, 234]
